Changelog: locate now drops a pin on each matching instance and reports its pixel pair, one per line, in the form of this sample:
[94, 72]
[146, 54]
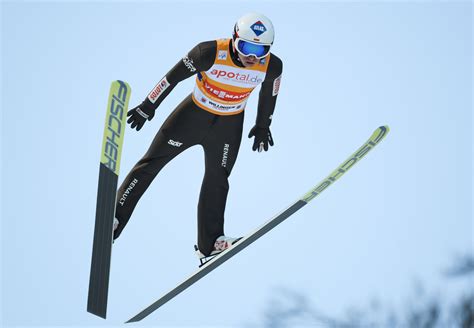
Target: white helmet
[256, 28]
[253, 35]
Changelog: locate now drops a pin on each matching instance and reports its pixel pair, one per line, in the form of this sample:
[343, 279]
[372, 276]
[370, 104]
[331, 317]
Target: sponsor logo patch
[258, 28]
[223, 94]
[222, 55]
[128, 191]
[229, 75]
[175, 143]
[225, 155]
[188, 62]
[276, 86]
[158, 90]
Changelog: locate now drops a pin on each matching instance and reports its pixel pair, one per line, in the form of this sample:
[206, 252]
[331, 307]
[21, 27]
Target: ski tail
[209, 266]
[115, 124]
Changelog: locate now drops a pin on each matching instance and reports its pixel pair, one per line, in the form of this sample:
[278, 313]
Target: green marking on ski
[115, 124]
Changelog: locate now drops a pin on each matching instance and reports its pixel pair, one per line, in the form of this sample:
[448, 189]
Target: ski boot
[221, 244]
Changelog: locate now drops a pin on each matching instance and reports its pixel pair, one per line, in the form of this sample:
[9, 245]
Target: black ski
[115, 123]
[376, 137]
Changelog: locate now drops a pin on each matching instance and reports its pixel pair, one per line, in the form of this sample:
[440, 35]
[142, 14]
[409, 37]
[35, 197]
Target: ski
[115, 123]
[376, 137]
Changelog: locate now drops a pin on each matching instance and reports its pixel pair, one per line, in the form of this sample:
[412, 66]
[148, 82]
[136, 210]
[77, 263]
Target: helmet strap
[234, 53]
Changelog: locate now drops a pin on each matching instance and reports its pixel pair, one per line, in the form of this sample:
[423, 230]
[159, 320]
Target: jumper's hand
[139, 114]
[263, 137]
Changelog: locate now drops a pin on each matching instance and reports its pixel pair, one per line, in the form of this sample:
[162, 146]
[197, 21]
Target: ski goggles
[247, 48]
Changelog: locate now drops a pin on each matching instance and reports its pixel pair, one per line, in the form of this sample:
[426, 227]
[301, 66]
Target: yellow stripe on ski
[376, 137]
[115, 124]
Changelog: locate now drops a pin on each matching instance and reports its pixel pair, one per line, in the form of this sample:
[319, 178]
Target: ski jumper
[211, 116]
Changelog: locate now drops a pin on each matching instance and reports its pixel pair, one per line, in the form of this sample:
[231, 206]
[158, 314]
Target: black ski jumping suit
[212, 116]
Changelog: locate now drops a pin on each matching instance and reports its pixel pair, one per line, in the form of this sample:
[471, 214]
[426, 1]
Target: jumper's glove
[263, 137]
[140, 114]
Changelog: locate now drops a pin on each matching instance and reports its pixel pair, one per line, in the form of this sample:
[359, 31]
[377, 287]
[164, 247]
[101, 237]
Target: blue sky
[402, 214]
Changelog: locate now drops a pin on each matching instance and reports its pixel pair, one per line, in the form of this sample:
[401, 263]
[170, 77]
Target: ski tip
[132, 320]
[380, 133]
[120, 82]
